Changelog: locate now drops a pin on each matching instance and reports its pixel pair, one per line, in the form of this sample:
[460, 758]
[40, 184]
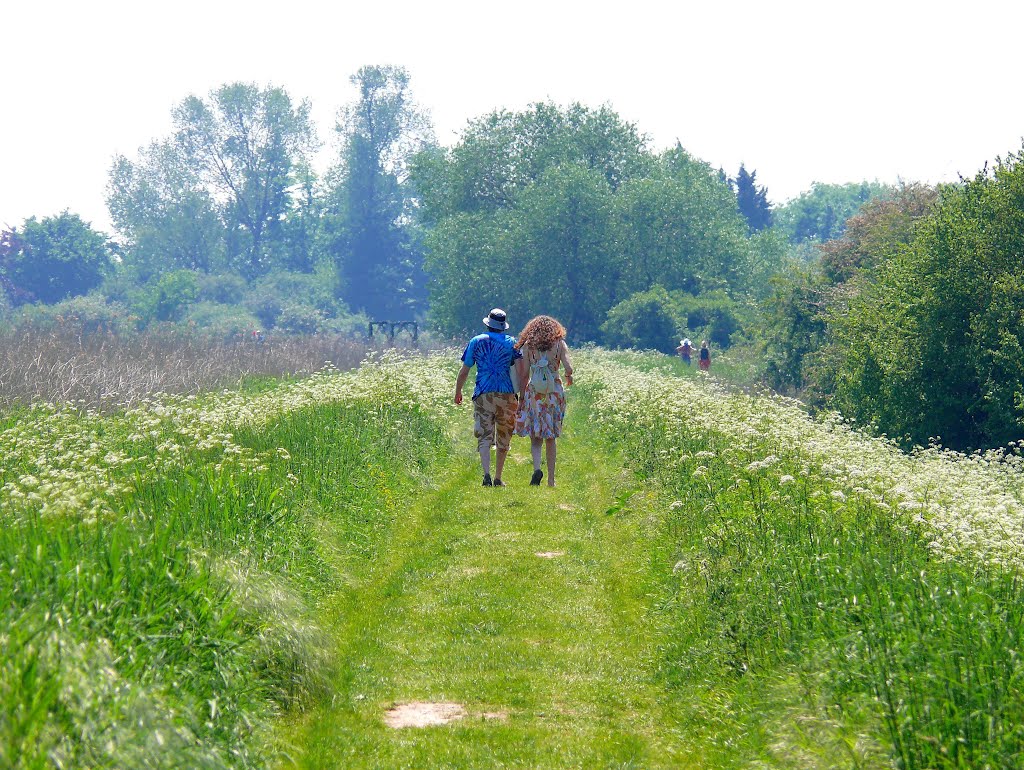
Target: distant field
[274, 575]
[109, 371]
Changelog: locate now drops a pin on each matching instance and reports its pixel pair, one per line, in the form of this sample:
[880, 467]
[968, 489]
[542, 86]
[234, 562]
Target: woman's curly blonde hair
[541, 332]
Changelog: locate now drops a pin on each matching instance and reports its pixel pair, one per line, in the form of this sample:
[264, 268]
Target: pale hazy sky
[800, 91]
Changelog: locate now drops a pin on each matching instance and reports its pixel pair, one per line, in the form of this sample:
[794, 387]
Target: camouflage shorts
[494, 418]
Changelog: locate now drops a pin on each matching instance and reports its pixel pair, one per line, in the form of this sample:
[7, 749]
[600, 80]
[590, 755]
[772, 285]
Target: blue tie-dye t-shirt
[492, 353]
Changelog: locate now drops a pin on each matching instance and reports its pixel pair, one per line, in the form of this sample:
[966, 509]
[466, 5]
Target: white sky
[800, 91]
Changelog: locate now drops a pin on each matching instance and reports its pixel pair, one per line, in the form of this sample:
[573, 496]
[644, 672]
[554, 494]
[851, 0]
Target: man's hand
[459, 382]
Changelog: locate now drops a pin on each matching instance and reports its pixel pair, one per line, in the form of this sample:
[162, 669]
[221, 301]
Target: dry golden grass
[105, 370]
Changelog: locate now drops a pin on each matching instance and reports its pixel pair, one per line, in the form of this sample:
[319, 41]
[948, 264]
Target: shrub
[87, 314]
[268, 296]
[933, 342]
[648, 320]
[266, 306]
[300, 319]
[167, 298]
[223, 289]
[713, 316]
[221, 321]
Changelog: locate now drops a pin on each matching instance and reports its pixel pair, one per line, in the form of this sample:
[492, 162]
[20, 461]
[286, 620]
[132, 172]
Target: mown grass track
[552, 658]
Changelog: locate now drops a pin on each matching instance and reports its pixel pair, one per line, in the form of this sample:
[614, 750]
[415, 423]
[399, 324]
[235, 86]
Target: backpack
[542, 379]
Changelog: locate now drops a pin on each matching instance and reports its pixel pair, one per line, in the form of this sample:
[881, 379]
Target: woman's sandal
[536, 477]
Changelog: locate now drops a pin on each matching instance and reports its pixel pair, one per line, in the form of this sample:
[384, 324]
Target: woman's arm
[567, 363]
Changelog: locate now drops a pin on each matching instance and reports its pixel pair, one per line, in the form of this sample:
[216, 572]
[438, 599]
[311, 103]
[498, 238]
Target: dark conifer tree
[724, 178]
[752, 200]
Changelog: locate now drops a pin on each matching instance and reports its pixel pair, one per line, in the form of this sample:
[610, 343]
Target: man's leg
[483, 429]
[499, 463]
[504, 426]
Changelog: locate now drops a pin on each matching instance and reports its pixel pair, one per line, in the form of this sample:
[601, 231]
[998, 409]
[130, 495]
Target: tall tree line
[568, 211]
[232, 190]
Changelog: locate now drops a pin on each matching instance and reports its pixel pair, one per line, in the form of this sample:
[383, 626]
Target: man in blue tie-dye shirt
[494, 398]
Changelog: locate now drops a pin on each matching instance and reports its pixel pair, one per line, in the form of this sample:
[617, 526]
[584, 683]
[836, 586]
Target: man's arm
[523, 374]
[460, 381]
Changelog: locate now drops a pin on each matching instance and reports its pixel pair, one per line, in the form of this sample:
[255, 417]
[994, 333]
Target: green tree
[246, 142]
[563, 261]
[820, 214]
[800, 352]
[53, 258]
[679, 227]
[931, 345]
[167, 217]
[713, 315]
[792, 328]
[471, 261]
[752, 200]
[301, 245]
[168, 297]
[768, 258]
[501, 153]
[11, 247]
[374, 242]
[216, 195]
[550, 253]
[876, 232]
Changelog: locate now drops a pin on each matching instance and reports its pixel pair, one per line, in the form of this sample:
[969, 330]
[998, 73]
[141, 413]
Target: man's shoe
[536, 477]
[498, 483]
[487, 480]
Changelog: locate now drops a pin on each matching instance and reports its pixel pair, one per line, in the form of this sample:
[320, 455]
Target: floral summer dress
[541, 414]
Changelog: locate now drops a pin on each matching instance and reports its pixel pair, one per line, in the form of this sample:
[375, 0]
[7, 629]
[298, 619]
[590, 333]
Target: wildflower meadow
[886, 583]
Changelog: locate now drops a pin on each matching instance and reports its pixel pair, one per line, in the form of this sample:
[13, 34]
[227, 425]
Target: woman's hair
[541, 332]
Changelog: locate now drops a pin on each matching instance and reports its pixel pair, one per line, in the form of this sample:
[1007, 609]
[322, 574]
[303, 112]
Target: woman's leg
[552, 453]
[535, 445]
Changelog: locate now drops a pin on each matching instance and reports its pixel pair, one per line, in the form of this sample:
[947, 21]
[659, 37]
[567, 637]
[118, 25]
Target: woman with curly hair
[542, 397]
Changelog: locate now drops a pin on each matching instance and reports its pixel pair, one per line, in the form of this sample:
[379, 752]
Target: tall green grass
[786, 573]
[167, 631]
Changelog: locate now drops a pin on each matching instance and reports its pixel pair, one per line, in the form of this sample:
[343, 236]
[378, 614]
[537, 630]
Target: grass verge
[170, 622]
[794, 579]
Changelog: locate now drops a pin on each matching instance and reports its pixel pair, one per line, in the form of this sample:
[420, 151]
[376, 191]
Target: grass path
[551, 658]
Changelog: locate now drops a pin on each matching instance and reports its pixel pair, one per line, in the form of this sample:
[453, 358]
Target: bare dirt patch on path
[549, 554]
[423, 714]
